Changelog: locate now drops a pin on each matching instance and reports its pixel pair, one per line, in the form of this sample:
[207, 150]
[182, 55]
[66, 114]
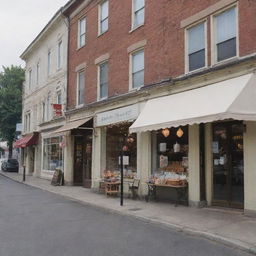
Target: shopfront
[215, 151]
[112, 136]
[52, 154]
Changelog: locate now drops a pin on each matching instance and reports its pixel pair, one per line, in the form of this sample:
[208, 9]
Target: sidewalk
[230, 227]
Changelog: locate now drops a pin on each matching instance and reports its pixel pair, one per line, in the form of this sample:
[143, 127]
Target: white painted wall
[48, 85]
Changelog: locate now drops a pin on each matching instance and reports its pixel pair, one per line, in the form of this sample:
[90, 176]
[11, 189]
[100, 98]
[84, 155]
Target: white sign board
[117, 115]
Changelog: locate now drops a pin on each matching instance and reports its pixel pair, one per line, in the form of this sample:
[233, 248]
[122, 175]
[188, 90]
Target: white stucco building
[44, 98]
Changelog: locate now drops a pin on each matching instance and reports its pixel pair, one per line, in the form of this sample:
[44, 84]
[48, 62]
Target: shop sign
[57, 109]
[118, 115]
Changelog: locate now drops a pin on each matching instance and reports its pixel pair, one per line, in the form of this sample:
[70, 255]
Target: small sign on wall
[125, 160]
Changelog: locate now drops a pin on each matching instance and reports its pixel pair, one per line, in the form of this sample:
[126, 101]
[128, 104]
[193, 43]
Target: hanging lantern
[180, 133]
[166, 132]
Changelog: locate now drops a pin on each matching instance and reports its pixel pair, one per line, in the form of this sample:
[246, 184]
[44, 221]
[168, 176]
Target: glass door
[228, 167]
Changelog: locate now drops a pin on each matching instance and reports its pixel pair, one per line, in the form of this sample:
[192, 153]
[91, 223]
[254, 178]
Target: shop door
[228, 164]
[78, 160]
[87, 165]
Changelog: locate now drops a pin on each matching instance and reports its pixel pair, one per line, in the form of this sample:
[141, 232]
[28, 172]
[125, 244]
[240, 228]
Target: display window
[170, 156]
[52, 153]
[118, 139]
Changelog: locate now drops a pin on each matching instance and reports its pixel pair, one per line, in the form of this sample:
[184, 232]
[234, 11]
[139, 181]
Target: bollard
[24, 173]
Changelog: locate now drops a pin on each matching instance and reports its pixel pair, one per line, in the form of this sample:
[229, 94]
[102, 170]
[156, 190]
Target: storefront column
[68, 161]
[194, 166]
[98, 155]
[250, 168]
[208, 162]
[143, 160]
[38, 163]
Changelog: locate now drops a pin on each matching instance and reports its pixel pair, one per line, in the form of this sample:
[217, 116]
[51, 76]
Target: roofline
[68, 5]
[42, 33]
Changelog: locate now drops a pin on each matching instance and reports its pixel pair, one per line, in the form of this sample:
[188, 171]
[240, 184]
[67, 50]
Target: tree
[11, 81]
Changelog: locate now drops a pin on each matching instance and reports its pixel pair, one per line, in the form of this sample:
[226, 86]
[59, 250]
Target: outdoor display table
[181, 192]
[112, 188]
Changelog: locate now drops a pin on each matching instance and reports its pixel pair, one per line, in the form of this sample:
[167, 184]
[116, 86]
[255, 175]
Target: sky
[20, 22]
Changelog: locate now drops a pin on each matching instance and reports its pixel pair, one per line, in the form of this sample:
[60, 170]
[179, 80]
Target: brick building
[184, 70]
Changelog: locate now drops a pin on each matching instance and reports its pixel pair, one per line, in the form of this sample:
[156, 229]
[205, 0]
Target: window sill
[101, 99]
[135, 28]
[101, 34]
[80, 47]
[223, 62]
[80, 106]
[135, 89]
[196, 70]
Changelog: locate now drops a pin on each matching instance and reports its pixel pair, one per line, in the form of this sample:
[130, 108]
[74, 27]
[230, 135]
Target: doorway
[228, 164]
[83, 160]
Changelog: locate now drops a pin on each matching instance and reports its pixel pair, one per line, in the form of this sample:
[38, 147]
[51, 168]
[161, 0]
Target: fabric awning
[233, 98]
[72, 125]
[28, 140]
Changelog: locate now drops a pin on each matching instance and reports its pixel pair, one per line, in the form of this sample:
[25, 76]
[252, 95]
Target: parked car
[10, 165]
[2, 160]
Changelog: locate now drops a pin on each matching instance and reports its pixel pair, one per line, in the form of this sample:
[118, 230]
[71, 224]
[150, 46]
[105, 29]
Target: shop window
[52, 153]
[225, 34]
[103, 17]
[170, 155]
[81, 32]
[138, 13]
[196, 46]
[137, 69]
[116, 138]
[103, 80]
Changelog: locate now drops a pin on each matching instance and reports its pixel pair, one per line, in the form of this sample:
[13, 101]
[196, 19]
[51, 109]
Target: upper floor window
[80, 87]
[30, 78]
[81, 32]
[103, 17]
[137, 74]
[37, 73]
[59, 97]
[103, 81]
[27, 120]
[196, 45]
[43, 111]
[138, 12]
[49, 63]
[60, 55]
[225, 34]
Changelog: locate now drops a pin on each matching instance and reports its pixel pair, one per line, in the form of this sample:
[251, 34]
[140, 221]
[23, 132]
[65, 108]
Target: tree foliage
[11, 81]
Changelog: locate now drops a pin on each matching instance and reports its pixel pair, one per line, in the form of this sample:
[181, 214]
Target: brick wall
[164, 51]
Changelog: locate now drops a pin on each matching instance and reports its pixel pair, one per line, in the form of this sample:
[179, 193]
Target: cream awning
[72, 125]
[233, 98]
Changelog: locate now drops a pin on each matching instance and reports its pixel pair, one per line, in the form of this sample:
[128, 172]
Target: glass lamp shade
[179, 133]
[166, 132]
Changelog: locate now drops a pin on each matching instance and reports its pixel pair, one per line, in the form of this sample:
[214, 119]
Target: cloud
[20, 22]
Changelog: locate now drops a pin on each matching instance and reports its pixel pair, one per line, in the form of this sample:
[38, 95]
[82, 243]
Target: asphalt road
[38, 223]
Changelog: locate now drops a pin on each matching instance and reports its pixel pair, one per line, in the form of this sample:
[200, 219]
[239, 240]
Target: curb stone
[236, 244]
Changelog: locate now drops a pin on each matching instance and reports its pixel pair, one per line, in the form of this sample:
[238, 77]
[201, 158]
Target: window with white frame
[80, 87]
[138, 13]
[59, 97]
[43, 112]
[30, 78]
[103, 80]
[49, 63]
[60, 54]
[225, 34]
[81, 32]
[27, 121]
[137, 74]
[37, 73]
[103, 17]
[196, 46]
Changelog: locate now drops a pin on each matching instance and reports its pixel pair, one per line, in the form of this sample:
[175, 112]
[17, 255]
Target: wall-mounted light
[166, 132]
